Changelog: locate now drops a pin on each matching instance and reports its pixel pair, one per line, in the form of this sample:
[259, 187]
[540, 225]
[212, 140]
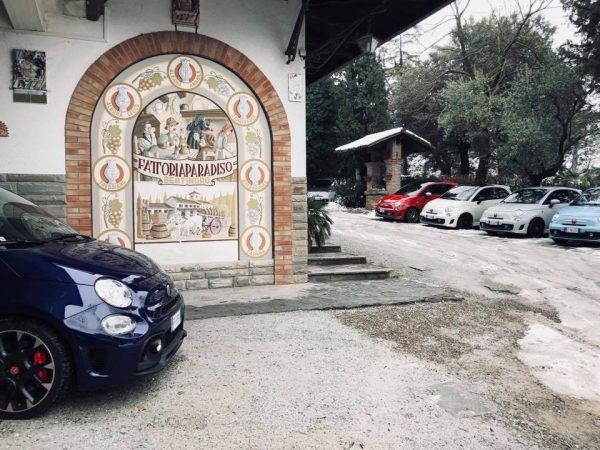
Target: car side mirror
[553, 202]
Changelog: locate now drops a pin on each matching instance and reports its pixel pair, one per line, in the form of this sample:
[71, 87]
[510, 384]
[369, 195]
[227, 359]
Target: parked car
[527, 211]
[74, 310]
[462, 206]
[321, 190]
[408, 202]
[578, 222]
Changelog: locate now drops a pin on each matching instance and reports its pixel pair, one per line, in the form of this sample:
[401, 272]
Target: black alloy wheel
[464, 222]
[35, 368]
[412, 215]
[536, 228]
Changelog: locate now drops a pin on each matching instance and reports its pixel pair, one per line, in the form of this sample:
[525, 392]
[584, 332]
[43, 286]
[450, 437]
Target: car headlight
[113, 292]
[555, 217]
[118, 324]
[516, 215]
[398, 204]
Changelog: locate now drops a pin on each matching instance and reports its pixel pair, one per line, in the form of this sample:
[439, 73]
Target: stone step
[333, 259]
[328, 248]
[323, 274]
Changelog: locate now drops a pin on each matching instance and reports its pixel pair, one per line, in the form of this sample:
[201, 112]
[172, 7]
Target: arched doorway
[104, 73]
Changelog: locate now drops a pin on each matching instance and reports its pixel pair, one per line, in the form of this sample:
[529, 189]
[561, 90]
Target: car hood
[393, 197]
[80, 263]
[580, 212]
[509, 207]
[440, 204]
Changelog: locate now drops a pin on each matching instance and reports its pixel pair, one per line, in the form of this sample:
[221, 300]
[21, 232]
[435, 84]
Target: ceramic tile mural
[181, 155]
[29, 76]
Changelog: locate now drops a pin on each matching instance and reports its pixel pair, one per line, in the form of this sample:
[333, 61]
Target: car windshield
[22, 221]
[526, 196]
[319, 185]
[410, 189]
[588, 198]
[460, 193]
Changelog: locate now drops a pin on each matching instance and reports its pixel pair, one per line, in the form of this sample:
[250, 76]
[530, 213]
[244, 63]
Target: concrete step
[324, 274]
[327, 248]
[333, 259]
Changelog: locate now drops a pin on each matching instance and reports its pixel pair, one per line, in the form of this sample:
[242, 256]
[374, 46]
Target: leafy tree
[363, 107]
[585, 15]
[545, 115]
[483, 59]
[321, 125]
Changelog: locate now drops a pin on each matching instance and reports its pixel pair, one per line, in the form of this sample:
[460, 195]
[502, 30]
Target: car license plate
[494, 222]
[572, 230]
[429, 216]
[175, 320]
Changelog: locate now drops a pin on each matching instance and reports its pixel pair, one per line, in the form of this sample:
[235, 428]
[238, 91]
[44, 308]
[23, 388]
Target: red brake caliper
[40, 358]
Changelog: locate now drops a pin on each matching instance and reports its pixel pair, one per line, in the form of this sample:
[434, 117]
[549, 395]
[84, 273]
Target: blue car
[580, 221]
[75, 311]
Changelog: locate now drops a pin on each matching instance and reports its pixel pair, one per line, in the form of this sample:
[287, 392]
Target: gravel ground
[527, 332]
[291, 380]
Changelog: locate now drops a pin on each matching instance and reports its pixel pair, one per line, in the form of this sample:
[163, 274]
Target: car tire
[35, 368]
[465, 222]
[412, 215]
[536, 228]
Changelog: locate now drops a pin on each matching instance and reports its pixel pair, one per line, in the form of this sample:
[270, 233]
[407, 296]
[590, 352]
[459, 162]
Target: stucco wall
[258, 28]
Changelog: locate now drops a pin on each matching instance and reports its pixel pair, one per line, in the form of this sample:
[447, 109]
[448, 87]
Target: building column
[394, 169]
[299, 230]
[373, 191]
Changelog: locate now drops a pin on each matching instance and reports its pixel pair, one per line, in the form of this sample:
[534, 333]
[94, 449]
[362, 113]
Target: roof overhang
[372, 140]
[334, 26]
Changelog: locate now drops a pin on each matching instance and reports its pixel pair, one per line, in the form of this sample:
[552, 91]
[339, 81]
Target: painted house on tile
[177, 128]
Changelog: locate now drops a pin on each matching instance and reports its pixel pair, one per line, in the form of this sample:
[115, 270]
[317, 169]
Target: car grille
[587, 236]
[501, 227]
[433, 221]
[97, 360]
[159, 303]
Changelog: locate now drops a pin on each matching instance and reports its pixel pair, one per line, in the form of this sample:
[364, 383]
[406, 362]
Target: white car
[527, 211]
[321, 190]
[462, 206]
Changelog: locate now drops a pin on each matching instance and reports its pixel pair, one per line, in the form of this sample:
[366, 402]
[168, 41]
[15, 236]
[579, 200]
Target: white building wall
[260, 29]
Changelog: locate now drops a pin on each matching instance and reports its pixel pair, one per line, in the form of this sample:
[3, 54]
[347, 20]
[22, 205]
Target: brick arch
[100, 74]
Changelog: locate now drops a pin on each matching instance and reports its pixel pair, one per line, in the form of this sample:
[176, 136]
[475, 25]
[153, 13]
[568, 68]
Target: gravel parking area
[291, 380]
[527, 331]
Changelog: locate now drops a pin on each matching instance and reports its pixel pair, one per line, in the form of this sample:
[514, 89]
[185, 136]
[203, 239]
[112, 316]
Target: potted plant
[319, 223]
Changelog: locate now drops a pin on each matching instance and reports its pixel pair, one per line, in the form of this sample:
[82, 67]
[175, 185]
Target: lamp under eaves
[367, 43]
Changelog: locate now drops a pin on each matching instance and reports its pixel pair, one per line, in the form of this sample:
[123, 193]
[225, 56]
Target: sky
[435, 28]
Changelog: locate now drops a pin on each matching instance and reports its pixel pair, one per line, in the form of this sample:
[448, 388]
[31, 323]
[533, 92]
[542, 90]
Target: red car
[409, 201]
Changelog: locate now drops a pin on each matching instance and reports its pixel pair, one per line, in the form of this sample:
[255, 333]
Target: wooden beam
[25, 14]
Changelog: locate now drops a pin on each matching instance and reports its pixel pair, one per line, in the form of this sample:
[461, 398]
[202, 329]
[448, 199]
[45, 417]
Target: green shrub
[319, 223]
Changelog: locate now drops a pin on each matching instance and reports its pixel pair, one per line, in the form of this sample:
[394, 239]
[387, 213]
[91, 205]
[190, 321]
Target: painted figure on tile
[173, 138]
[195, 131]
[148, 139]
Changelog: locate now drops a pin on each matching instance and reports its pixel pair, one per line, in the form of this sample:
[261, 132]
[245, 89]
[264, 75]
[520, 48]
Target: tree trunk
[535, 178]
[483, 145]
[465, 166]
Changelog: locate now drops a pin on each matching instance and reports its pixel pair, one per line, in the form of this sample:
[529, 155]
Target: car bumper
[575, 234]
[503, 226]
[103, 361]
[439, 221]
[389, 213]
